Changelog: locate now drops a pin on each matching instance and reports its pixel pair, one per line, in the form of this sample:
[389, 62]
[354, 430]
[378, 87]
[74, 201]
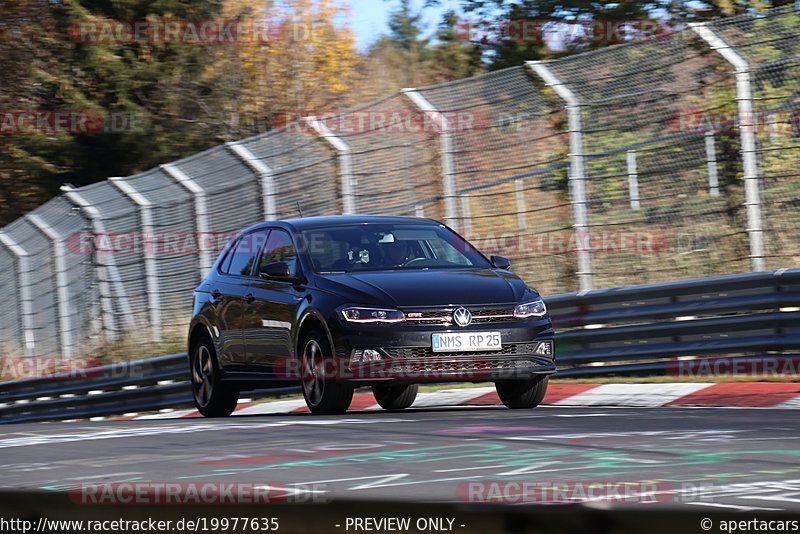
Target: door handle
[217, 296]
[249, 298]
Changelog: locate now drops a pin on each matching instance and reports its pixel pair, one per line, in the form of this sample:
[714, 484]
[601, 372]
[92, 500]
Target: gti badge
[462, 317]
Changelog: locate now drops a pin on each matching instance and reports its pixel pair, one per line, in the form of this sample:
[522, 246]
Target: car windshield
[380, 247]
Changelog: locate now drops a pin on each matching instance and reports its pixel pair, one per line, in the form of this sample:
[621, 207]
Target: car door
[228, 294]
[269, 317]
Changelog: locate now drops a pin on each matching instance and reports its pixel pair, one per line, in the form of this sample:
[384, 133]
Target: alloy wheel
[203, 376]
[313, 372]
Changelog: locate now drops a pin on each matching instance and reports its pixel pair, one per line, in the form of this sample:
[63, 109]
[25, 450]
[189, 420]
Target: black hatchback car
[334, 303]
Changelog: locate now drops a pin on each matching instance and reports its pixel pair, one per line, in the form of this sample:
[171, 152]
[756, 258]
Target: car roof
[338, 220]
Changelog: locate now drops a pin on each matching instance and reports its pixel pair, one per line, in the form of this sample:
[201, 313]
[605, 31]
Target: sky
[369, 18]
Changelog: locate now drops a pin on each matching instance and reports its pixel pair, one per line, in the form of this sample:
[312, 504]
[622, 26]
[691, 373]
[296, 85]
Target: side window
[226, 263]
[244, 255]
[279, 248]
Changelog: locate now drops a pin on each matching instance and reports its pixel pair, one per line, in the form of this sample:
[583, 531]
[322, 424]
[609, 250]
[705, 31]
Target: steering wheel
[413, 261]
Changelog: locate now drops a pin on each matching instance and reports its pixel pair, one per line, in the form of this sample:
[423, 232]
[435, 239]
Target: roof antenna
[299, 209]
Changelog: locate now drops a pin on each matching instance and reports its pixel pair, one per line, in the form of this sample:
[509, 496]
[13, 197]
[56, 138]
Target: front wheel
[522, 394]
[212, 397]
[395, 397]
[323, 395]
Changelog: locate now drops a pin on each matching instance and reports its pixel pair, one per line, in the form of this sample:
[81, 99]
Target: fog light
[364, 356]
[371, 356]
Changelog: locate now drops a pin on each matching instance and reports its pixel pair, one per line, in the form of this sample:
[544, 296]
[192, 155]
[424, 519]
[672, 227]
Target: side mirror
[276, 271]
[500, 262]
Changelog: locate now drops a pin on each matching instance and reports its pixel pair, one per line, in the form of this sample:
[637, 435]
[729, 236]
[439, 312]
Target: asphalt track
[698, 458]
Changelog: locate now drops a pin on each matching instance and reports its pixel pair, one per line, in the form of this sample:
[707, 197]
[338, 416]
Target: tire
[212, 397]
[323, 396]
[522, 394]
[395, 397]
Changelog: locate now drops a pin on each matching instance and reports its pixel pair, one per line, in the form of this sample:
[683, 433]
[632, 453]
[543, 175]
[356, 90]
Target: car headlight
[535, 308]
[357, 314]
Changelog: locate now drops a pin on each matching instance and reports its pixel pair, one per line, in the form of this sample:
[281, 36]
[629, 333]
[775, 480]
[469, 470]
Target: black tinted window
[244, 255]
[226, 263]
[386, 246]
[279, 248]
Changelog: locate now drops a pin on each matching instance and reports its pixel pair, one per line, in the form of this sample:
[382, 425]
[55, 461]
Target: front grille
[464, 366]
[444, 316]
[416, 353]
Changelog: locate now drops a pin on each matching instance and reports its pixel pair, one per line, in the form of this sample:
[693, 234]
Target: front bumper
[407, 356]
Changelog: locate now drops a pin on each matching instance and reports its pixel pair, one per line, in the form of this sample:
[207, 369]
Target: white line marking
[527, 469]
[470, 468]
[734, 506]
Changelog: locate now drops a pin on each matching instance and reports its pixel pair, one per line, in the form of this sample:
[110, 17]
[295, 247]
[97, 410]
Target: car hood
[428, 288]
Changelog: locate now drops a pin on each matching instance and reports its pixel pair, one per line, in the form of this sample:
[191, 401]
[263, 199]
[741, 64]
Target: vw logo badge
[462, 317]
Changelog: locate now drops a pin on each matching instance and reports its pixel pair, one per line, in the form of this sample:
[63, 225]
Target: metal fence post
[448, 165]
[577, 171]
[711, 161]
[348, 183]
[200, 214]
[633, 180]
[151, 273]
[519, 195]
[744, 97]
[62, 282]
[105, 263]
[24, 287]
[266, 176]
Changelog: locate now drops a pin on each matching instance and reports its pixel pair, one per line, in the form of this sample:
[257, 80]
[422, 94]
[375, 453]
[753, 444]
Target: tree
[155, 98]
[407, 58]
[504, 44]
[135, 99]
[304, 65]
[452, 56]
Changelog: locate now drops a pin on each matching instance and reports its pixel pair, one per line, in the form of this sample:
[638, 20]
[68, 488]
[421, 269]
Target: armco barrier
[636, 330]
[641, 329]
[141, 385]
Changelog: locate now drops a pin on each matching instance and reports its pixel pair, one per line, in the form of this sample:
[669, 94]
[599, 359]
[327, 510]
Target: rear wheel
[212, 397]
[522, 394]
[323, 394]
[395, 397]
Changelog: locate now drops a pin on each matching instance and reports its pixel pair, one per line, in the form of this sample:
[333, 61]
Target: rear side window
[240, 261]
[226, 262]
[280, 249]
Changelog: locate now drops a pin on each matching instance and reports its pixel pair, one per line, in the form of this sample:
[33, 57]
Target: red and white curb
[732, 394]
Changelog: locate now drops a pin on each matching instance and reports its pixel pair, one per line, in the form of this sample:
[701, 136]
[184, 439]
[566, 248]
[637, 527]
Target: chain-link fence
[770, 49]
[643, 162]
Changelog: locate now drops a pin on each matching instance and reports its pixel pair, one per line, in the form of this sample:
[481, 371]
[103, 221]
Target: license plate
[466, 342]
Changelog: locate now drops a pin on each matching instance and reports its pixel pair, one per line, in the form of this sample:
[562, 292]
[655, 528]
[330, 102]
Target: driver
[397, 253]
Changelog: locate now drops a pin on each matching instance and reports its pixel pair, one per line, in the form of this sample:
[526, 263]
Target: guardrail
[143, 385]
[652, 329]
[635, 330]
